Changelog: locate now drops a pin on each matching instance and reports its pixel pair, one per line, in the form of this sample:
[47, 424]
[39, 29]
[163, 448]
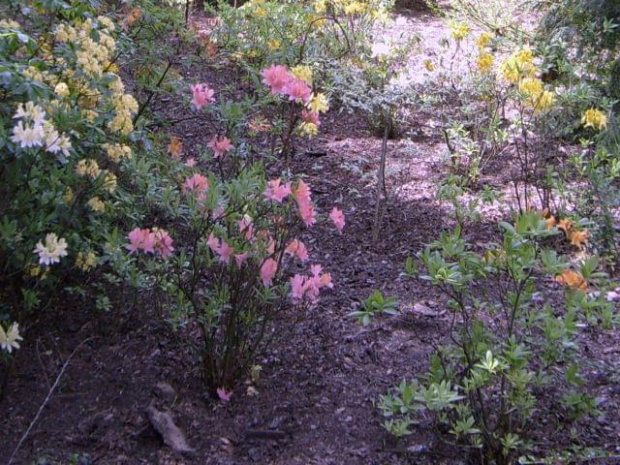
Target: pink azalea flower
[213, 242]
[276, 77]
[190, 162]
[268, 271]
[136, 239]
[298, 248]
[240, 258]
[302, 192]
[246, 227]
[308, 215]
[202, 95]
[271, 246]
[224, 395]
[309, 116]
[276, 191]
[224, 252]
[163, 243]
[316, 270]
[325, 280]
[298, 91]
[141, 239]
[220, 145]
[298, 287]
[198, 183]
[337, 218]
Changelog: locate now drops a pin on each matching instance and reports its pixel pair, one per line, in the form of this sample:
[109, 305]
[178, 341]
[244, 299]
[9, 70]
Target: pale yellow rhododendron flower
[483, 40]
[532, 87]
[303, 72]
[320, 6]
[459, 31]
[10, 338]
[273, 45]
[308, 129]
[96, 204]
[116, 152]
[61, 89]
[519, 64]
[594, 119]
[110, 182]
[88, 167]
[89, 115]
[319, 103]
[485, 62]
[355, 8]
[545, 100]
[9, 24]
[106, 22]
[52, 251]
[86, 261]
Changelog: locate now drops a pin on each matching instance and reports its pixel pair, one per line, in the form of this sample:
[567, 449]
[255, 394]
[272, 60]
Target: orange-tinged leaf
[572, 279]
[175, 147]
[578, 238]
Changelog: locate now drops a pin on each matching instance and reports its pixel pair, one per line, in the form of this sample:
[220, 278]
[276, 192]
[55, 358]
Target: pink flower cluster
[150, 241]
[224, 251]
[198, 184]
[303, 197]
[281, 82]
[220, 145]
[298, 249]
[277, 191]
[337, 218]
[202, 95]
[268, 271]
[309, 287]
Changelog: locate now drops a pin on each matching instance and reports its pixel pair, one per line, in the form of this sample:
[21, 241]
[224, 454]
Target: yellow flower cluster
[595, 119]
[125, 106]
[355, 8]
[9, 24]
[116, 152]
[319, 103]
[110, 182]
[483, 40]
[86, 261]
[308, 129]
[62, 90]
[302, 72]
[88, 167]
[536, 96]
[485, 62]
[459, 30]
[520, 64]
[96, 204]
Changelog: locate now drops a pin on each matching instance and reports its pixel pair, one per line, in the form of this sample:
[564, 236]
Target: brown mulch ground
[322, 375]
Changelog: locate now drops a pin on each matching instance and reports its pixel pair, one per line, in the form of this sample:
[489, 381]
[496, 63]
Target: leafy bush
[508, 341]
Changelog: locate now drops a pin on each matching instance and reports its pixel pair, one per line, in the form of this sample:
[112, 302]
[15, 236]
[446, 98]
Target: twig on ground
[47, 399]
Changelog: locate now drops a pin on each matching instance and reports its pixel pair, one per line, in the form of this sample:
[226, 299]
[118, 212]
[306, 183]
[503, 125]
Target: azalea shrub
[509, 341]
[229, 262]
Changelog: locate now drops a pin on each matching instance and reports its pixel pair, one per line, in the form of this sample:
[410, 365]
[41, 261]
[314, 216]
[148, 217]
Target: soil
[323, 374]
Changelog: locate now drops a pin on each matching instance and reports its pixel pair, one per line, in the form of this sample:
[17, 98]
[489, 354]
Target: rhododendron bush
[232, 262]
[65, 122]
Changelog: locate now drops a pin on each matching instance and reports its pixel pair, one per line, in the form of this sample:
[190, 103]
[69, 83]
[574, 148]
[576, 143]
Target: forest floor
[323, 374]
